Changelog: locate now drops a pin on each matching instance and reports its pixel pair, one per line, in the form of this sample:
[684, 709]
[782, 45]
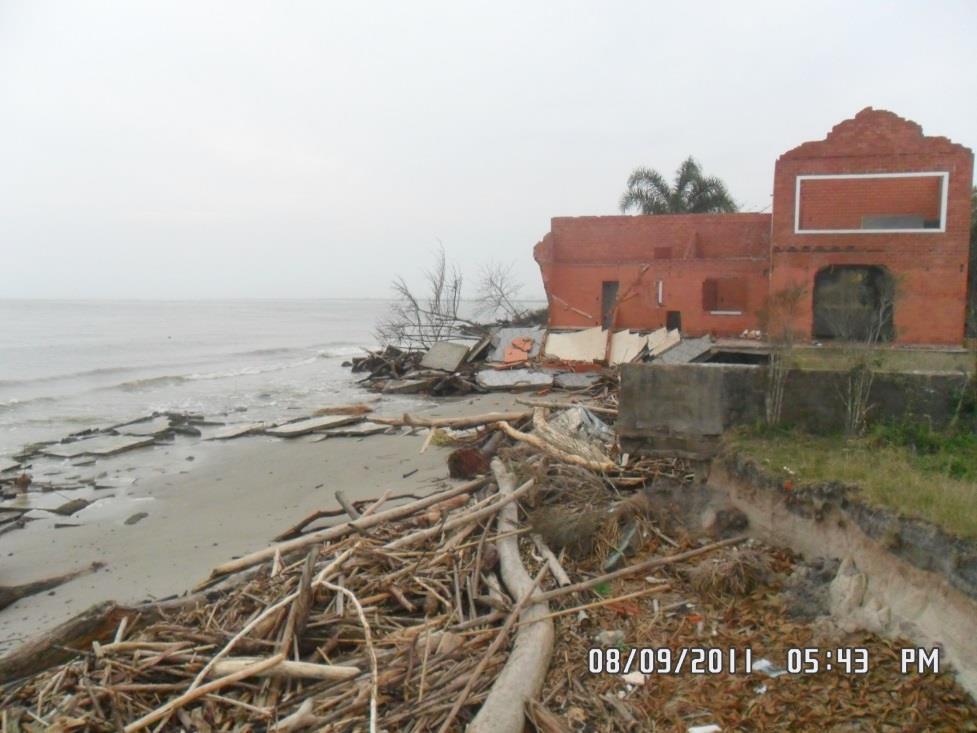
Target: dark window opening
[673, 320]
[853, 303]
[737, 357]
[608, 300]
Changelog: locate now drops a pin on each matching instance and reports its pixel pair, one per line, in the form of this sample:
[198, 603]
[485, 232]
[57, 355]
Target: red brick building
[873, 209]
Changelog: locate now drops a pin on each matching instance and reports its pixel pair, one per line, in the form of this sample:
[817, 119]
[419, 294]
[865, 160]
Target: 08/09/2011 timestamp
[706, 660]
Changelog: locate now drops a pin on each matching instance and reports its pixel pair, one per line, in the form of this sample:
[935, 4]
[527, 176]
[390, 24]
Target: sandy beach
[207, 502]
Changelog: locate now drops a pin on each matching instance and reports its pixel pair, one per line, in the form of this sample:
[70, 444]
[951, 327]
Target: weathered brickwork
[715, 272]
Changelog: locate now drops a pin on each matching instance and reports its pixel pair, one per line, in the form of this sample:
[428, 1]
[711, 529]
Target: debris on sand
[451, 612]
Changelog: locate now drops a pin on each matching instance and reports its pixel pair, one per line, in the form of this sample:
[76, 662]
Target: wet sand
[231, 499]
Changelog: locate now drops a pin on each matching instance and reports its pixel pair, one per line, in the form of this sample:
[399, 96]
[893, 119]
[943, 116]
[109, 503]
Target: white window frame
[944, 175]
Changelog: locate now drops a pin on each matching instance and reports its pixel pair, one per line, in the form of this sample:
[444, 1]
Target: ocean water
[69, 365]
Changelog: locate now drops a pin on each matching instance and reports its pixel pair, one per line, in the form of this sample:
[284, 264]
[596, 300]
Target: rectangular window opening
[724, 296]
[859, 203]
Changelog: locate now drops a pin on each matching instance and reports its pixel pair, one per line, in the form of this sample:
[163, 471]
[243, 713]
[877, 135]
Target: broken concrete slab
[311, 425]
[587, 345]
[445, 356]
[686, 351]
[504, 338]
[513, 379]
[626, 346]
[8, 465]
[575, 380]
[480, 348]
[104, 445]
[155, 426]
[662, 340]
[359, 430]
[237, 431]
[408, 386]
[70, 507]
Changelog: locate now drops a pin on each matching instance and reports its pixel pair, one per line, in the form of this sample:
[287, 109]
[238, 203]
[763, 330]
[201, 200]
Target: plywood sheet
[625, 346]
[586, 345]
[662, 340]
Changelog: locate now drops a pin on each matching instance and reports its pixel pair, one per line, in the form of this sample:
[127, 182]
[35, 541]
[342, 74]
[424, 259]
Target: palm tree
[693, 193]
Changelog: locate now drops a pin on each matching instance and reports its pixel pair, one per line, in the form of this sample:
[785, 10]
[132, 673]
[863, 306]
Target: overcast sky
[314, 149]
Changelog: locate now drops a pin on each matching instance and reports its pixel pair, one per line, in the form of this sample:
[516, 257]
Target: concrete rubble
[541, 359]
[305, 426]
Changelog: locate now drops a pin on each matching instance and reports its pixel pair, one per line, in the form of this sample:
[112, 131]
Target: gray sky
[313, 149]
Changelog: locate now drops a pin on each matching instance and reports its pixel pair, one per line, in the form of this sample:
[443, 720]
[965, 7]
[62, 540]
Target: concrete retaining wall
[697, 401]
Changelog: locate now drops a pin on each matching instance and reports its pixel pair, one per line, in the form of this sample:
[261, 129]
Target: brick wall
[721, 259]
[842, 203]
[930, 268]
[680, 252]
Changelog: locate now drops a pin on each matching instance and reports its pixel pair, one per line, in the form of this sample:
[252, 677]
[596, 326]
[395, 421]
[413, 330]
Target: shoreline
[232, 498]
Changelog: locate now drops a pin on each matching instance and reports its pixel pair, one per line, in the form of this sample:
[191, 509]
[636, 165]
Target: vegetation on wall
[692, 192]
[972, 269]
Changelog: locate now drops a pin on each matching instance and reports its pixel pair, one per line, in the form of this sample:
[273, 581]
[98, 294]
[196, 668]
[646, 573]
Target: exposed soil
[870, 568]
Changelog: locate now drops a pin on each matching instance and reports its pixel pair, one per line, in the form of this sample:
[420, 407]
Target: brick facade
[717, 270]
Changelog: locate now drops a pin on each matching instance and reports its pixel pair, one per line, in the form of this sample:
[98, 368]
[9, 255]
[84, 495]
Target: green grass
[909, 469]
[890, 359]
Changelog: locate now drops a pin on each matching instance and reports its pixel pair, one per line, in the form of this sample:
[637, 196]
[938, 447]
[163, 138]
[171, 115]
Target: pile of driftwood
[390, 362]
[470, 609]
[398, 371]
[429, 615]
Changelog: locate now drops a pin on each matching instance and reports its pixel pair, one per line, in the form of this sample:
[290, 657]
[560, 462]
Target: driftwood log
[471, 421]
[339, 530]
[522, 677]
[542, 445]
[10, 594]
[63, 642]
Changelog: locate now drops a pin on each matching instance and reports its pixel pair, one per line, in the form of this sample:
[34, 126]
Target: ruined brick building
[876, 207]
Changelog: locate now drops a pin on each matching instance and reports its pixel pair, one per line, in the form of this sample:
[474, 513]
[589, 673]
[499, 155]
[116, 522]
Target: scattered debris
[767, 667]
[71, 507]
[576, 380]
[627, 346]
[102, 445]
[514, 344]
[445, 613]
[138, 516]
[22, 482]
[662, 340]
[356, 430]
[686, 351]
[445, 356]
[311, 425]
[11, 594]
[513, 379]
[239, 430]
[588, 345]
[358, 408]
[155, 427]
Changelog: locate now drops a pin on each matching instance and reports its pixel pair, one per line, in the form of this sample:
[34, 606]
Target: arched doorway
[853, 303]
